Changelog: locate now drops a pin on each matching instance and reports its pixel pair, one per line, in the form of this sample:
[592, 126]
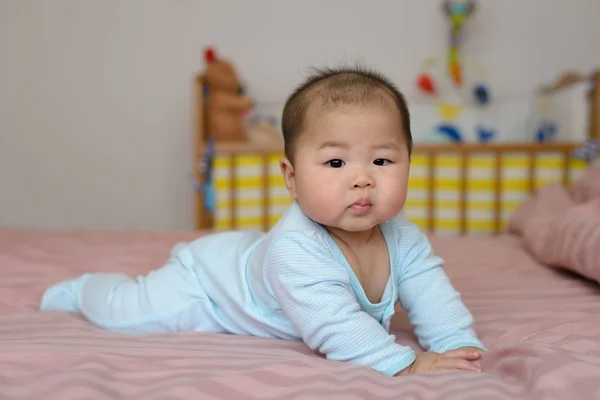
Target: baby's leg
[166, 300]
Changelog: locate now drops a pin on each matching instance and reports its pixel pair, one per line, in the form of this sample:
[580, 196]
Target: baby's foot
[62, 296]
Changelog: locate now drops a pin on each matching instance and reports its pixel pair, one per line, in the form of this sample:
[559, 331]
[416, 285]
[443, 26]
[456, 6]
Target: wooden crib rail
[265, 155]
[498, 151]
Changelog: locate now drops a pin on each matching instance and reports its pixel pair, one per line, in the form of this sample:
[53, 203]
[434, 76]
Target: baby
[331, 270]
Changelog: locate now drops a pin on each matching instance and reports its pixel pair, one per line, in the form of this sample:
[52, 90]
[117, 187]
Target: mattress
[542, 328]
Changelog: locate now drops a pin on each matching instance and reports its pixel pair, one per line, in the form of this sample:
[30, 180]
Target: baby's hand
[476, 349]
[429, 361]
[477, 361]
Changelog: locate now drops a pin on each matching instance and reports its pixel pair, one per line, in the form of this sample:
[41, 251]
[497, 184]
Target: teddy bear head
[220, 74]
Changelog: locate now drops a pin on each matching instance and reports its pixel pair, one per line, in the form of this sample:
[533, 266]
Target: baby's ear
[287, 170]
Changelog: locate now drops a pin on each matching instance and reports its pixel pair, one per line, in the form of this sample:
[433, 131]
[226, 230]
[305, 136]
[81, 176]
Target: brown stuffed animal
[226, 104]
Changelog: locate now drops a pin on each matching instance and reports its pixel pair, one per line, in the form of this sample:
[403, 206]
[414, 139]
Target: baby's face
[351, 167]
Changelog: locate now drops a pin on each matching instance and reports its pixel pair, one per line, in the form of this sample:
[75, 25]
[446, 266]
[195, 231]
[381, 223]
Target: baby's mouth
[361, 206]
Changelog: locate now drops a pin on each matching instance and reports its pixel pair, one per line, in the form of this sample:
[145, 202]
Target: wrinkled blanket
[542, 327]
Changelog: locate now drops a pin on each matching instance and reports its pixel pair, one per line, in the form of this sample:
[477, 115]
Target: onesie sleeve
[313, 290]
[435, 309]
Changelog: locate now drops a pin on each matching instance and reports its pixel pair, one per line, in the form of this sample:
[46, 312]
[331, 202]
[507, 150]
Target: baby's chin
[346, 221]
[355, 226]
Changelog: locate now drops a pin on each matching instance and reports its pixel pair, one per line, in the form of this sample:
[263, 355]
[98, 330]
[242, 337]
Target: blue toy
[485, 134]
[451, 132]
[481, 94]
[546, 131]
[205, 166]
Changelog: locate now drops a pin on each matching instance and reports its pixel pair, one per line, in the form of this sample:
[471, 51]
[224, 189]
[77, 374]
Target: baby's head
[347, 148]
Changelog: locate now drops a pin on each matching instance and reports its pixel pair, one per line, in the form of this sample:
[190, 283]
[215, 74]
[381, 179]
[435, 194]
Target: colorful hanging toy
[458, 12]
[450, 74]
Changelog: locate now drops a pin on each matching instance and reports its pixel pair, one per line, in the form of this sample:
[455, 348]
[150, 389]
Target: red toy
[425, 83]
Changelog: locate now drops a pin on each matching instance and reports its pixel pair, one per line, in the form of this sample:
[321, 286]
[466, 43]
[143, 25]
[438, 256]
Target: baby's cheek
[394, 193]
[317, 187]
[317, 196]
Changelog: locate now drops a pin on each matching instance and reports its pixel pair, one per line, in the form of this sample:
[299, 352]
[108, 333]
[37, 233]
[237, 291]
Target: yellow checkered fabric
[248, 189]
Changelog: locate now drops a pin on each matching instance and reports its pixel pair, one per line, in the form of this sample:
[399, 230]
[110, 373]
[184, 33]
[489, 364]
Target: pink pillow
[569, 241]
[590, 209]
[588, 186]
[551, 199]
[518, 219]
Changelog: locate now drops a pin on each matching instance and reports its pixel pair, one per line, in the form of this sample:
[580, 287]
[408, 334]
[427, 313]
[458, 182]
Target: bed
[529, 274]
[541, 325]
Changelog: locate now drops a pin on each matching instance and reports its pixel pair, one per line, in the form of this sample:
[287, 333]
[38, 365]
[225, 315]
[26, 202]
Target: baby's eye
[381, 161]
[335, 163]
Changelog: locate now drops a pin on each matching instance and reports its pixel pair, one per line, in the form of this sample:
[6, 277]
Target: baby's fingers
[447, 363]
[461, 353]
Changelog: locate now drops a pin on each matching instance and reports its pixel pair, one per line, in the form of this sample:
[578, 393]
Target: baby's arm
[313, 290]
[434, 307]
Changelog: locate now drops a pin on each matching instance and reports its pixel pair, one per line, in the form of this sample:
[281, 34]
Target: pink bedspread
[542, 328]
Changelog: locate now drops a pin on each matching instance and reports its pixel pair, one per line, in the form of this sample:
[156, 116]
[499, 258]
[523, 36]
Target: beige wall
[84, 85]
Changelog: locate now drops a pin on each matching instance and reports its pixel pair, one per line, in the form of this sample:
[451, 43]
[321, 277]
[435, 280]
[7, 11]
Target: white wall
[95, 112]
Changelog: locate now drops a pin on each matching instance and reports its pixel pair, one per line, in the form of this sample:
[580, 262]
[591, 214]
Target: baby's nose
[363, 180]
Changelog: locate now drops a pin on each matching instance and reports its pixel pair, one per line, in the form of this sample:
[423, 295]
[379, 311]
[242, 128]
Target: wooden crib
[454, 189]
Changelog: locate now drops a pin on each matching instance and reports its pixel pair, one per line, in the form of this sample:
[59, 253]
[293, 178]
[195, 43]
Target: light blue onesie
[292, 283]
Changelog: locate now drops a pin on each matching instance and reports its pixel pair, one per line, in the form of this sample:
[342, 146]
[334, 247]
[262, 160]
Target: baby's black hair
[335, 87]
